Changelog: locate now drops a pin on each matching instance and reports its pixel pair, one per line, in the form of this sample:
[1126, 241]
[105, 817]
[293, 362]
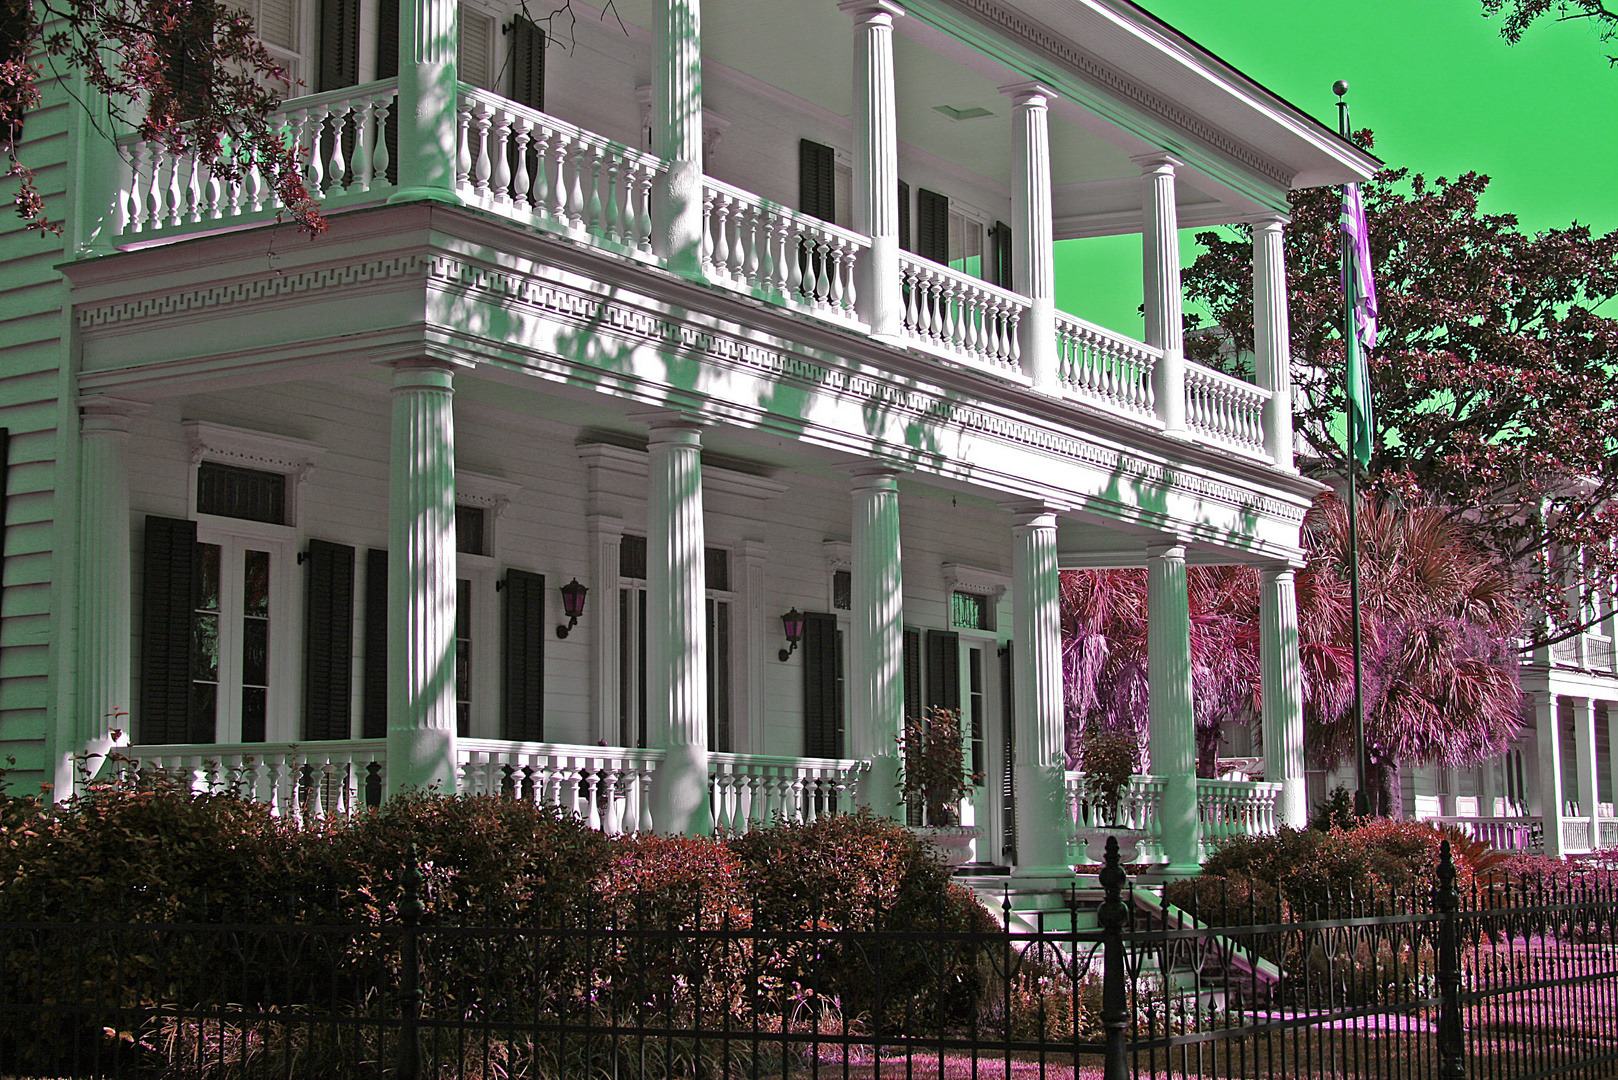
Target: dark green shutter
[328, 641]
[1008, 779]
[524, 656]
[374, 705]
[339, 44]
[817, 180]
[999, 267]
[904, 216]
[822, 693]
[914, 702]
[527, 63]
[932, 225]
[387, 39]
[943, 669]
[168, 584]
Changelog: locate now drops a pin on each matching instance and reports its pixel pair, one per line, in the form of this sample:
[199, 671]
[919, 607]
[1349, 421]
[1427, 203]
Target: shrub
[1335, 811]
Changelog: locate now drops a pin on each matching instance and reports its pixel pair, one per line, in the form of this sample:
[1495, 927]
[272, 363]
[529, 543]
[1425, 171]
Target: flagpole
[1362, 796]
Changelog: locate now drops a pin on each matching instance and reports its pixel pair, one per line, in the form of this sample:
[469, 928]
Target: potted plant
[1107, 761]
[934, 778]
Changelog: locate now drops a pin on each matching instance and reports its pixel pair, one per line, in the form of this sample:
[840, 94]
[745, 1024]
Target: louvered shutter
[168, 585]
[817, 180]
[913, 673]
[374, 702]
[524, 656]
[1000, 256]
[189, 69]
[328, 641]
[339, 44]
[473, 62]
[387, 39]
[527, 63]
[822, 694]
[904, 216]
[943, 669]
[932, 225]
[1008, 779]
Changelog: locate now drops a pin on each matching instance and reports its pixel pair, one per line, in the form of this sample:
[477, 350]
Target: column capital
[112, 413]
[872, 10]
[436, 372]
[1156, 161]
[1036, 512]
[874, 476]
[1168, 549]
[661, 421]
[1274, 571]
[1031, 94]
[1270, 219]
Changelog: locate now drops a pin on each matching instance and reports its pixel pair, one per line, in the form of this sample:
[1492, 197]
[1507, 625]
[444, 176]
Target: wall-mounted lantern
[792, 623]
[572, 605]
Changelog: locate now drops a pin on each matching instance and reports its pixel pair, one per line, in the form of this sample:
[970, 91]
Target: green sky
[1442, 90]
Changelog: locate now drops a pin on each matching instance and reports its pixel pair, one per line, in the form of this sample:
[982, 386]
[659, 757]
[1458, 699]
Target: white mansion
[722, 315]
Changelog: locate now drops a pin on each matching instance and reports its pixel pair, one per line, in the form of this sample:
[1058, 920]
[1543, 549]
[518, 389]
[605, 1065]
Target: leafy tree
[1495, 378]
[190, 75]
[1521, 13]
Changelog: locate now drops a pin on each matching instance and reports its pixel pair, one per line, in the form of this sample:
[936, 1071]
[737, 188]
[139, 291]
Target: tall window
[463, 658]
[231, 652]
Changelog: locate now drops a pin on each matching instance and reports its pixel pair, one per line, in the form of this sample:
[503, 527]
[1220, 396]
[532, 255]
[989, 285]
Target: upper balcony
[1138, 131]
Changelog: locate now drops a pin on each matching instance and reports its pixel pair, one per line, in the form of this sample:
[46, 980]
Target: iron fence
[1494, 979]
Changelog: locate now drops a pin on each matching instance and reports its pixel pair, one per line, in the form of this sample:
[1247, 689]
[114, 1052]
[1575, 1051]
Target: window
[236, 492]
[463, 657]
[970, 611]
[965, 244]
[238, 638]
[470, 535]
[842, 590]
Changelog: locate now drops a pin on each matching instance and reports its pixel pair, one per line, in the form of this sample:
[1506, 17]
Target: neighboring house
[773, 337]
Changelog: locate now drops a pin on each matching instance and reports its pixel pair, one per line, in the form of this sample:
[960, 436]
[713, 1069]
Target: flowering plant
[934, 765]
[1108, 760]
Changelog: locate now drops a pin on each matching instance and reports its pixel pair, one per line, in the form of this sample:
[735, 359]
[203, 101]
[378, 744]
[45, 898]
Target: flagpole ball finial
[1340, 87]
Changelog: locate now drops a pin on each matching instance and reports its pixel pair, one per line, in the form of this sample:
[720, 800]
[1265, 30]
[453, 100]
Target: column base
[427, 194]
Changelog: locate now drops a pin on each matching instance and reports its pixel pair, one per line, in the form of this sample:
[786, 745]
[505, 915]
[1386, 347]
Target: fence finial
[1113, 915]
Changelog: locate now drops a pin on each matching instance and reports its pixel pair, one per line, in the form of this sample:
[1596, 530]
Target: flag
[1359, 300]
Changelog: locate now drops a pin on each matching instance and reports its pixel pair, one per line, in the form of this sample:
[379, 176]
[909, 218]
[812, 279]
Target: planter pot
[953, 841]
[1129, 843]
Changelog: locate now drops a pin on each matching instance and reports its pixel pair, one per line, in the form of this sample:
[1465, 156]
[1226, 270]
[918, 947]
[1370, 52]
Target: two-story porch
[531, 352]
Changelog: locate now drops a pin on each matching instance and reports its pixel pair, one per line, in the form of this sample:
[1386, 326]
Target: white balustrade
[606, 786]
[961, 317]
[1223, 408]
[757, 246]
[1140, 806]
[298, 780]
[748, 790]
[342, 136]
[1237, 808]
[526, 164]
[1105, 368]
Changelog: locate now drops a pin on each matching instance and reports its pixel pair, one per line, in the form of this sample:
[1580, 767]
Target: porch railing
[1513, 833]
[1224, 408]
[606, 786]
[297, 780]
[1107, 369]
[344, 135]
[531, 166]
[1225, 808]
[961, 317]
[1237, 808]
[754, 789]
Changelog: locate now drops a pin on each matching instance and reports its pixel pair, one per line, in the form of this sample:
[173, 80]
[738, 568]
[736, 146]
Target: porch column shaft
[876, 163]
[428, 113]
[677, 136]
[876, 653]
[103, 586]
[1487, 783]
[1449, 802]
[1612, 752]
[1173, 725]
[421, 580]
[1042, 822]
[1548, 751]
[1584, 755]
[677, 645]
[1272, 336]
[1282, 685]
[1033, 254]
[1161, 251]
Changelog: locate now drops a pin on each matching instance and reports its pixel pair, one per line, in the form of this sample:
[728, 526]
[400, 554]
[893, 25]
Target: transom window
[969, 611]
[237, 492]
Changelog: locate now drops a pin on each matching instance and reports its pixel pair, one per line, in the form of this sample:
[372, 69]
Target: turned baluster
[521, 182]
[379, 152]
[501, 151]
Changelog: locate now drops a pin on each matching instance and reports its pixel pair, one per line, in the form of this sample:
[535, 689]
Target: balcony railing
[1224, 409]
[1104, 368]
[756, 246]
[958, 316]
[344, 135]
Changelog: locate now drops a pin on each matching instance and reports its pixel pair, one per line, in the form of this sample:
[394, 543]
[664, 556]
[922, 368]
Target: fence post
[410, 976]
[1451, 1033]
[1113, 915]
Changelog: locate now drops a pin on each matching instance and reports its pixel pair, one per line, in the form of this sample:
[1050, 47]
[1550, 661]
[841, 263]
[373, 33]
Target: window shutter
[943, 669]
[374, 706]
[387, 39]
[932, 225]
[339, 44]
[328, 641]
[1000, 256]
[817, 180]
[904, 216]
[524, 656]
[168, 585]
[912, 673]
[1008, 779]
[189, 69]
[473, 62]
[527, 63]
[822, 695]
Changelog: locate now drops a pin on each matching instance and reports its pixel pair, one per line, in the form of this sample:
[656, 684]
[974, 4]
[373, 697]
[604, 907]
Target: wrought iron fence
[1497, 979]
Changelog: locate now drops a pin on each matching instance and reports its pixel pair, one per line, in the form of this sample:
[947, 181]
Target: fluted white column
[1612, 750]
[876, 163]
[103, 591]
[1174, 733]
[677, 135]
[421, 580]
[876, 651]
[1272, 342]
[1548, 752]
[1042, 822]
[1282, 684]
[1033, 253]
[1160, 242]
[427, 116]
[677, 646]
[1584, 757]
